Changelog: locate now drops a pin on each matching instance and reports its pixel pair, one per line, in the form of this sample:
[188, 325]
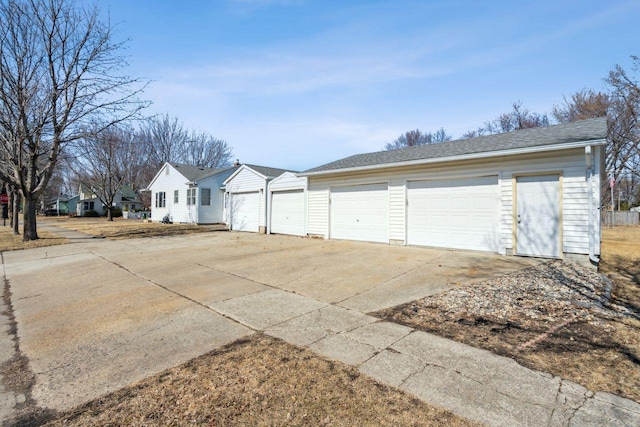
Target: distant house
[246, 197]
[188, 194]
[126, 199]
[63, 205]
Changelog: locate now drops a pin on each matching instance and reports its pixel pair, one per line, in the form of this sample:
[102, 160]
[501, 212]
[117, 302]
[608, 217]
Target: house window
[205, 197]
[175, 196]
[191, 196]
[88, 206]
[161, 201]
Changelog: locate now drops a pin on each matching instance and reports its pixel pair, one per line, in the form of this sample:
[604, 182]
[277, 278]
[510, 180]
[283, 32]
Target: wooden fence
[620, 218]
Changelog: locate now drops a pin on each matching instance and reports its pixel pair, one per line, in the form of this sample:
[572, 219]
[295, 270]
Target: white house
[126, 199]
[246, 197]
[287, 205]
[532, 192]
[188, 194]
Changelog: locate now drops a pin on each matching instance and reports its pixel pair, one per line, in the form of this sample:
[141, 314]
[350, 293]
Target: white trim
[473, 156]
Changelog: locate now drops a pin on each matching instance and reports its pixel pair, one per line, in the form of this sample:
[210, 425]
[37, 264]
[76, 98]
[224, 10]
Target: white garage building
[529, 192]
[245, 204]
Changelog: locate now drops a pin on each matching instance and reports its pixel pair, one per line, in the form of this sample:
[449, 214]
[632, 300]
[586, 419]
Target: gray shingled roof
[584, 130]
[196, 173]
[267, 171]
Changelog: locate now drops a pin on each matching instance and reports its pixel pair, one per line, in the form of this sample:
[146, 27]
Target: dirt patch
[259, 381]
[13, 242]
[557, 317]
[121, 228]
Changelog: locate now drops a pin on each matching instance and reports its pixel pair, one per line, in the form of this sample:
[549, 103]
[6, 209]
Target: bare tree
[60, 68]
[581, 105]
[102, 162]
[165, 139]
[417, 137]
[623, 148]
[205, 150]
[518, 118]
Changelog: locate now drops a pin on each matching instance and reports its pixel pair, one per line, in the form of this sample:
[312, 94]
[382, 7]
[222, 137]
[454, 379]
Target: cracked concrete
[97, 315]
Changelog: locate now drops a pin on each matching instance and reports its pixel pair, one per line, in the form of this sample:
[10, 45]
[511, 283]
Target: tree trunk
[29, 230]
[110, 214]
[15, 211]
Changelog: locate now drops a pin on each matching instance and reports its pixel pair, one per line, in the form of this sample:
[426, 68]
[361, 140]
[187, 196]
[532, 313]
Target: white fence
[620, 218]
[136, 215]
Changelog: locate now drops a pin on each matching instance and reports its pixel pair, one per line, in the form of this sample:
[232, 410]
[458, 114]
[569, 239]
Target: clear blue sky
[295, 83]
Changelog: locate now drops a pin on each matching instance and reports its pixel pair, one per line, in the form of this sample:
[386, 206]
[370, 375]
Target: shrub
[91, 213]
[116, 213]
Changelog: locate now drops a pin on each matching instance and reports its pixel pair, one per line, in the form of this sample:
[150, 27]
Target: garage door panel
[461, 213]
[245, 211]
[287, 213]
[360, 213]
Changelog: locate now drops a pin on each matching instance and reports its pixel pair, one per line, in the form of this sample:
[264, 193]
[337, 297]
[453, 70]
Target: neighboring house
[188, 194]
[246, 197]
[533, 192]
[636, 209]
[63, 205]
[287, 205]
[126, 199]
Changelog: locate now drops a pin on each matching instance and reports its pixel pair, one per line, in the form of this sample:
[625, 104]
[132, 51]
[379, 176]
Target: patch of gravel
[550, 292]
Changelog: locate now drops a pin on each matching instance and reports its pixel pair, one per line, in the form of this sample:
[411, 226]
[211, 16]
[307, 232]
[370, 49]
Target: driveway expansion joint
[178, 294]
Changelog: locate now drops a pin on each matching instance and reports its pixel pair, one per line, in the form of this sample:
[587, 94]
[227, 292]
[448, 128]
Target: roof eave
[472, 156]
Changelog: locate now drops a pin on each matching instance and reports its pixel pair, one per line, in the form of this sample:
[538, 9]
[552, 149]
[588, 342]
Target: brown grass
[121, 228]
[12, 242]
[259, 381]
[603, 355]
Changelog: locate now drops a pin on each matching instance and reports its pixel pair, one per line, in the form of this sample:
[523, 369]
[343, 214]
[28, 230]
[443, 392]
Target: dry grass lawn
[602, 354]
[12, 242]
[121, 228]
[260, 381]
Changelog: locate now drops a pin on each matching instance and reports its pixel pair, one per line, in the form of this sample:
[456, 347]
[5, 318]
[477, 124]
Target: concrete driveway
[96, 315]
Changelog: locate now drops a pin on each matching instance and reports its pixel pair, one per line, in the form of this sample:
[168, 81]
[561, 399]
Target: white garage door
[245, 211]
[360, 212]
[460, 213]
[287, 212]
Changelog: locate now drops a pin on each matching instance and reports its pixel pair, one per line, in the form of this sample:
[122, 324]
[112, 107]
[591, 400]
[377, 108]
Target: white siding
[213, 213]
[288, 181]
[174, 180]
[397, 209]
[570, 164]
[318, 210]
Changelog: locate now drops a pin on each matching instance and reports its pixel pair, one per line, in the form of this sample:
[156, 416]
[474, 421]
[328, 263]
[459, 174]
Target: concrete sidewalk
[474, 383]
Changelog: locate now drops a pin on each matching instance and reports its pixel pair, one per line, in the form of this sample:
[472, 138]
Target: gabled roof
[267, 171]
[127, 191]
[482, 146]
[196, 173]
[190, 172]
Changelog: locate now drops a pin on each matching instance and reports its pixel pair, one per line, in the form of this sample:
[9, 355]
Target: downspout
[590, 160]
